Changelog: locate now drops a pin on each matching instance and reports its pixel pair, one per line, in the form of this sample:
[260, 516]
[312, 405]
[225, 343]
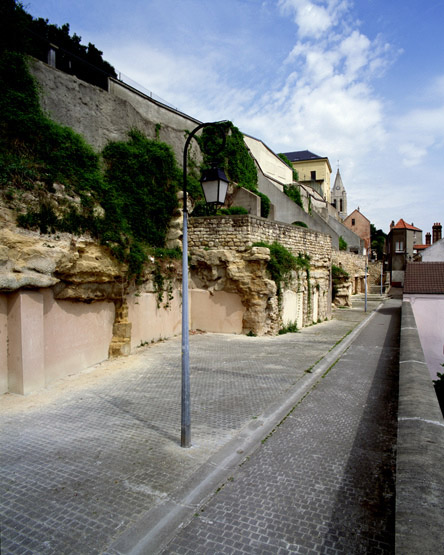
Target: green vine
[282, 262]
[294, 192]
[338, 274]
[234, 158]
[164, 273]
[290, 165]
[125, 200]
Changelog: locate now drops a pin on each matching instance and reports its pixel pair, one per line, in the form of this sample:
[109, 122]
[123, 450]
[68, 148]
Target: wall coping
[420, 450]
[250, 218]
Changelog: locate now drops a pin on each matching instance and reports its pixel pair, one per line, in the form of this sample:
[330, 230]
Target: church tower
[339, 196]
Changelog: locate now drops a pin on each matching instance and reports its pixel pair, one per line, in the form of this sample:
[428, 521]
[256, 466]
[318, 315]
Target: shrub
[338, 272]
[342, 244]
[234, 157]
[439, 389]
[287, 161]
[141, 178]
[282, 262]
[233, 210]
[292, 327]
[294, 192]
[300, 224]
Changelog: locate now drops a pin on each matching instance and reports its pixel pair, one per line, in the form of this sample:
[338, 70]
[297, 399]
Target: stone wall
[374, 276]
[223, 259]
[101, 116]
[420, 450]
[237, 232]
[354, 265]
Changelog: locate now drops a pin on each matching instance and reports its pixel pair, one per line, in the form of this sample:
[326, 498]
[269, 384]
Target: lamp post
[214, 184]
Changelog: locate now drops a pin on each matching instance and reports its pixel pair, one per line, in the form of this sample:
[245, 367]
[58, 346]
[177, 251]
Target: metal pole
[382, 277]
[365, 280]
[185, 438]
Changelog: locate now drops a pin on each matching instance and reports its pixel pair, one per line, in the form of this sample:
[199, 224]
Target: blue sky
[359, 81]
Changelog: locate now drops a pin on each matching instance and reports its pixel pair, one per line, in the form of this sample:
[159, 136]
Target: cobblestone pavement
[323, 482]
[83, 460]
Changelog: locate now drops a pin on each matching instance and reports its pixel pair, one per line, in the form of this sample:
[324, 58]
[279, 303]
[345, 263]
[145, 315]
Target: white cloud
[313, 19]
[320, 95]
[420, 131]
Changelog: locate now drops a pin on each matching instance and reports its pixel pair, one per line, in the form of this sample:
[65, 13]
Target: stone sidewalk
[324, 480]
[89, 463]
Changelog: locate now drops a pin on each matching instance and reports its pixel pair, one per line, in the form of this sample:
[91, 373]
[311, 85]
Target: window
[334, 202]
[340, 205]
[313, 175]
[399, 246]
[353, 221]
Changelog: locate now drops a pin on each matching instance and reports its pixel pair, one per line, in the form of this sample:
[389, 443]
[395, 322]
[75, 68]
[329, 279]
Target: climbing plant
[141, 178]
[285, 159]
[125, 199]
[234, 158]
[294, 192]
[338, 275]
[282, 262]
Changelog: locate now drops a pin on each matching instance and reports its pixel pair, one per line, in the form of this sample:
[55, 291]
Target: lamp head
[215, 185]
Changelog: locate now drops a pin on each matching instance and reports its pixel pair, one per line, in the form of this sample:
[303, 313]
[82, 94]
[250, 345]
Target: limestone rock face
[343, 293]
[78, 269]
[244, 273]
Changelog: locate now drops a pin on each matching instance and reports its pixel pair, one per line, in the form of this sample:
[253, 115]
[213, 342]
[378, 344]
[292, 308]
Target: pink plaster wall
[3, 344]
[429, 316]
[77, 335]
[219, 312]
[26, 370]
[150, 322]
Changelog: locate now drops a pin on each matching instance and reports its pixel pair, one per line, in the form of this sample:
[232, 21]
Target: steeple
[339, 196]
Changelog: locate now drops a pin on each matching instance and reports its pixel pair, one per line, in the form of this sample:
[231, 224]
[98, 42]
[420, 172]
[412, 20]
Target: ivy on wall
[234, 158]
[290, 165]
[282, 262]
[124, 198]
[294, 192]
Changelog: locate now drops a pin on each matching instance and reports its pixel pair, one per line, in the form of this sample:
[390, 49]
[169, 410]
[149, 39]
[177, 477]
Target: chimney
[392, 224]
[436, 232]
[428, 238]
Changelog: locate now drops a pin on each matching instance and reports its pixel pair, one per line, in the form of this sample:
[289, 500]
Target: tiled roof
[421, 247]
[404, 225]
[424, 277]
[302, 155]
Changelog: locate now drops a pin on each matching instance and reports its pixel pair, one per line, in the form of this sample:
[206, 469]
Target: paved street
[323, 482]
[92, 464]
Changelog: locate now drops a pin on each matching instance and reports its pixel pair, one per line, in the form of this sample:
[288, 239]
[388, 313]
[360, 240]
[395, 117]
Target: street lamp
[214, 184]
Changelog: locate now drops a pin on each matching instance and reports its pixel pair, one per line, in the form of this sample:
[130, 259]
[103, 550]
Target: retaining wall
[101, 116]
[420, 450]
[238, 232]
[43, 339]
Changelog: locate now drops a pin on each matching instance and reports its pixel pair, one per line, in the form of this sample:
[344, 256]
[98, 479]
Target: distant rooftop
[302, 155]
[404, 225]
[424, 277]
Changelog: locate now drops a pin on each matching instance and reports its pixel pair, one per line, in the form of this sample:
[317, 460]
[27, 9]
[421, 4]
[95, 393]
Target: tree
[377, 237]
